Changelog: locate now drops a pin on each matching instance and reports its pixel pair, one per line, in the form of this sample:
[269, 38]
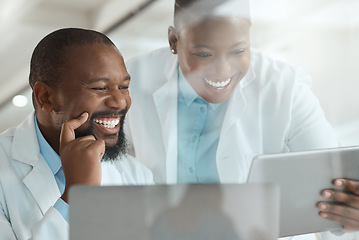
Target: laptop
[175, 212]
[301, 177]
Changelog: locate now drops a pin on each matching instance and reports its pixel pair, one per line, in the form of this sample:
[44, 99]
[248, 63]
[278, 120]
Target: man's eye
[124, 89]
[202, 54]
[99, 89]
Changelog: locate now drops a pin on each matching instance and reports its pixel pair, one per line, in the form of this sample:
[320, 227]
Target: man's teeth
[218, 84]
[108, 124]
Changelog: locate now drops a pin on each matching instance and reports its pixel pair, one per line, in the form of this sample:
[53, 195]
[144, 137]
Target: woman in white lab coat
[267, 106]
[247, 104]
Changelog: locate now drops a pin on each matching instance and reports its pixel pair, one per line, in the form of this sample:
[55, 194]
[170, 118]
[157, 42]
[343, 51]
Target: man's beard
[112, 153]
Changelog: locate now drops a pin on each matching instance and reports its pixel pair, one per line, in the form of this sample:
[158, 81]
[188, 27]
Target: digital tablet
[301, 177]
[175, 212]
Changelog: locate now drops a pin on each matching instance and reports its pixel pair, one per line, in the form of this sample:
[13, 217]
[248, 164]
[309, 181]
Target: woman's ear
[172, 39]
[43, 95]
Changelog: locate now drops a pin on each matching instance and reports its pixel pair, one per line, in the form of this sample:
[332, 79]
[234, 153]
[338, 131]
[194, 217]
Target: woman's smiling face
[214, 55]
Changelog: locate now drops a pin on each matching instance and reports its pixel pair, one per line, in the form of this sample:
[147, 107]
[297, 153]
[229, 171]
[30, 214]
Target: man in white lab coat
[213, 103]
[80, 92]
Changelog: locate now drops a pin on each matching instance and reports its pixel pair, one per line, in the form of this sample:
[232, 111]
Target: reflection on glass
[212, 102]
[195, 217]
[267, 105]
[212, 211]
[174, 212]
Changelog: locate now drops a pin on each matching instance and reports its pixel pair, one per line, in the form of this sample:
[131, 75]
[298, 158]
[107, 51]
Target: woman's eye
[202, 54]
[239, 51]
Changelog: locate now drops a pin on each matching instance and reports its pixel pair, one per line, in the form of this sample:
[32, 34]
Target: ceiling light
[19, 100]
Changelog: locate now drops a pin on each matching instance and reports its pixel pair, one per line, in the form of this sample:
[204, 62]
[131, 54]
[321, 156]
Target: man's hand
[345, 209]
[80, 157]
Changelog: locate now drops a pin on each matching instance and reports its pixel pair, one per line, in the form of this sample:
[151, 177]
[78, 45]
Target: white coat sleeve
[6, 231]
[51, 226]
[309, 128]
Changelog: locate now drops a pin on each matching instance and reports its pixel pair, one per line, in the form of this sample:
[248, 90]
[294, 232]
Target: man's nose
[116, 99]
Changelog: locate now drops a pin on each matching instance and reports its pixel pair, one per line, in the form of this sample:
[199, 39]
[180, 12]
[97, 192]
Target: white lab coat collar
[40, 179]
[25, 137]
[227, 167]
[237, 102]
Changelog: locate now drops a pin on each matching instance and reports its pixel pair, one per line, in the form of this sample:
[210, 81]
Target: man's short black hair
[48, 56]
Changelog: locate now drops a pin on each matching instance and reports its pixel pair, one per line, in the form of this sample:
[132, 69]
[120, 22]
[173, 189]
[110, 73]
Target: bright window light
[20, 101]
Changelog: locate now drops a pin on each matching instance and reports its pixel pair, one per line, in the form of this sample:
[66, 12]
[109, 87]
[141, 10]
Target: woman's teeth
[217, 84]
[108, 124]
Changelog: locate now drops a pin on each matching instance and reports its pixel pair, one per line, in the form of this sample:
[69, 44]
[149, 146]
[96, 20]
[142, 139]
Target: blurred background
[321, 36]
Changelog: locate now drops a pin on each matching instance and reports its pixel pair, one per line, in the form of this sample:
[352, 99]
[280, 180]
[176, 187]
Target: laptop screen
[194, 211]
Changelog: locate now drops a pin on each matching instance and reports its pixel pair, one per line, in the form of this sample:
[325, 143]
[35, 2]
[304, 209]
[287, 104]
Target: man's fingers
[69, 127]
[97, 147]
[345, 211]
[343, 197]
[91, 147]
[345, 208]
[347, 184]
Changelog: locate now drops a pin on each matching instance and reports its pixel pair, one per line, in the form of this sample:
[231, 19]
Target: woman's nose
[222, 69]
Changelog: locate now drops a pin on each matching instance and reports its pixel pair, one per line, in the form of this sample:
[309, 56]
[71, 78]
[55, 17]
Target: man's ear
[172, 39]
[43, 95]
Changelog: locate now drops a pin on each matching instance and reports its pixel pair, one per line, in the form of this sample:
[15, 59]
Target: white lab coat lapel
[40, 181]
[165, 99]
[232, 144]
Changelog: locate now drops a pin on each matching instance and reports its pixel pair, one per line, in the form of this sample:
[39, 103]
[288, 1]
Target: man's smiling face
[94, 79]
